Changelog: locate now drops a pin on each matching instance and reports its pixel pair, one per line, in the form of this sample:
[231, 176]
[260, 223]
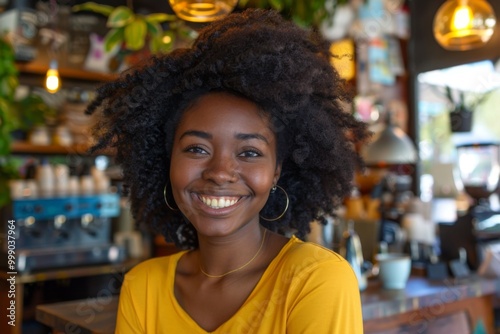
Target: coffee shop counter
[424, 306]
[451, 306]
[13, 287]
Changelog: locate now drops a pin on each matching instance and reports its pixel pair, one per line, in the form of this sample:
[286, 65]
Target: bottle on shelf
[46, 179]
[87, 185]
[26, 187]
[73, 181]
[62, 176]
[101, 180]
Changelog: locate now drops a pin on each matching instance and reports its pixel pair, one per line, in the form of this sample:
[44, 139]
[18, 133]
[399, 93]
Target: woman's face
[223, 163]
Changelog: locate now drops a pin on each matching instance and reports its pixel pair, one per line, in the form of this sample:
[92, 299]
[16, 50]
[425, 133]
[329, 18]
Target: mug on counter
[394, 270]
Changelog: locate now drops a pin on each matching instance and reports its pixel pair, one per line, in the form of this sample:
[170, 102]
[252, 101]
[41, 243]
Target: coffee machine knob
[29, 221]
[88, 224]
[59, 221]
[31, 227]
[87, 220]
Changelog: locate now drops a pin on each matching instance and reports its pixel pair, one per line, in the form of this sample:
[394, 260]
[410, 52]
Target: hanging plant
[462, 107]
[132, 31]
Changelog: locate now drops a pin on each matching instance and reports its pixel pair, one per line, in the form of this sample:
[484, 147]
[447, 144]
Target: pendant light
[202, 10]
[54, 40]
[52, 79]
[391, 146]
[464, 24]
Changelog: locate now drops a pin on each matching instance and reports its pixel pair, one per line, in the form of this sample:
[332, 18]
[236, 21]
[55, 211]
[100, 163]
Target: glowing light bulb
[52, 79]
[462, 18]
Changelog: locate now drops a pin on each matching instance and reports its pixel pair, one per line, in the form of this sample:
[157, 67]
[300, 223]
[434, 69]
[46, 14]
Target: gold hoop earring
[165, 198]
[286, 205]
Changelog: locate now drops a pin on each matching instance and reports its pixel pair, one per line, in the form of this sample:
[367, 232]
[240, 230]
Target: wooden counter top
[98, 315]
[420, 293]
[86, 316]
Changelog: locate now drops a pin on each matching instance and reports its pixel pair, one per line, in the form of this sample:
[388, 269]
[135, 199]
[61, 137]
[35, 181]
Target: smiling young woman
[227, 147]
[223, 165]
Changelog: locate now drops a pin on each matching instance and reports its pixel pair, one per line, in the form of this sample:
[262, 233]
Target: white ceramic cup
[394, 270]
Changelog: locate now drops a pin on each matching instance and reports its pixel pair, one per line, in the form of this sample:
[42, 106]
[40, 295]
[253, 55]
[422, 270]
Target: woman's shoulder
[305, 249]
[299, 257]
[153, 267]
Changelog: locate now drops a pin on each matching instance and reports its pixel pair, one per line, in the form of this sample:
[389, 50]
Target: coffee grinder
[479, 169]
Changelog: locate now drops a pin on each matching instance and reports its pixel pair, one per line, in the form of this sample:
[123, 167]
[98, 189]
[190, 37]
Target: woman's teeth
[219, 202]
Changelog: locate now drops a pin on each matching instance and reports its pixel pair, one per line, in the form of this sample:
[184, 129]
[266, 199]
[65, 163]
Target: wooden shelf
[71, 73]
[19, 147]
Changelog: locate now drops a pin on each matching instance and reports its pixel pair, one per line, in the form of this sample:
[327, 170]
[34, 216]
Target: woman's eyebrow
[248, 136]
[196, 133]
[239, 136]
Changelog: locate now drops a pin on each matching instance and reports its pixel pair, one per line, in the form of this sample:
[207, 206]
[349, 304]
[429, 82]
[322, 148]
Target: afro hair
[256, 54]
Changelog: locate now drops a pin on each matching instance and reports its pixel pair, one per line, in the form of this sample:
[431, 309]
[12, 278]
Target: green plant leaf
[8, 85]
[277, 4]
[120, 17]
[12, 82]
[9, 67]
[135, 34]
[94, 7]
[34, 111]
[113, 38]
[160, 17]
[10, 115]
[4, 144]
[242, 3]
[156, 44]
[155, 29]
[9, 169]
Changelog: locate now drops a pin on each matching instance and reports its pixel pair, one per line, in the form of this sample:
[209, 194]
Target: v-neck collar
[171, 283]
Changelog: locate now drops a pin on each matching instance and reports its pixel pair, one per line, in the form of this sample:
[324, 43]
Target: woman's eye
[196, 150]
[250, 154]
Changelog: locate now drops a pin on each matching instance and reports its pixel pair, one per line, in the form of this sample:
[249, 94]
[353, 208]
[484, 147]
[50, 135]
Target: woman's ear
[277, 174]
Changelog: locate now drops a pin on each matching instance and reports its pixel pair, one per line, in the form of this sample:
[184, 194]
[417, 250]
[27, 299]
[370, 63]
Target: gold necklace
[243, 266]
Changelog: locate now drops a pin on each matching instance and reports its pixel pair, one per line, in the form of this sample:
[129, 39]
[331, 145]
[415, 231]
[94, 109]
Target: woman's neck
[220, 257]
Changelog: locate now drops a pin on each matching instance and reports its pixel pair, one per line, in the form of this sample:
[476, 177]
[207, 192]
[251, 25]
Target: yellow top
[305, 289]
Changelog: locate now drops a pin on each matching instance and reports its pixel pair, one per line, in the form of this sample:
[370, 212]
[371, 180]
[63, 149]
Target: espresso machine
[479, 169]
[60, 232]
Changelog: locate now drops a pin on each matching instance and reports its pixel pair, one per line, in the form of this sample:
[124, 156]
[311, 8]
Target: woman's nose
[221, 169]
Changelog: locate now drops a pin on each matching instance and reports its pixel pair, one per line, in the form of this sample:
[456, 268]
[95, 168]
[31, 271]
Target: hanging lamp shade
[464, 24]
[202, 10]
[391, 146]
